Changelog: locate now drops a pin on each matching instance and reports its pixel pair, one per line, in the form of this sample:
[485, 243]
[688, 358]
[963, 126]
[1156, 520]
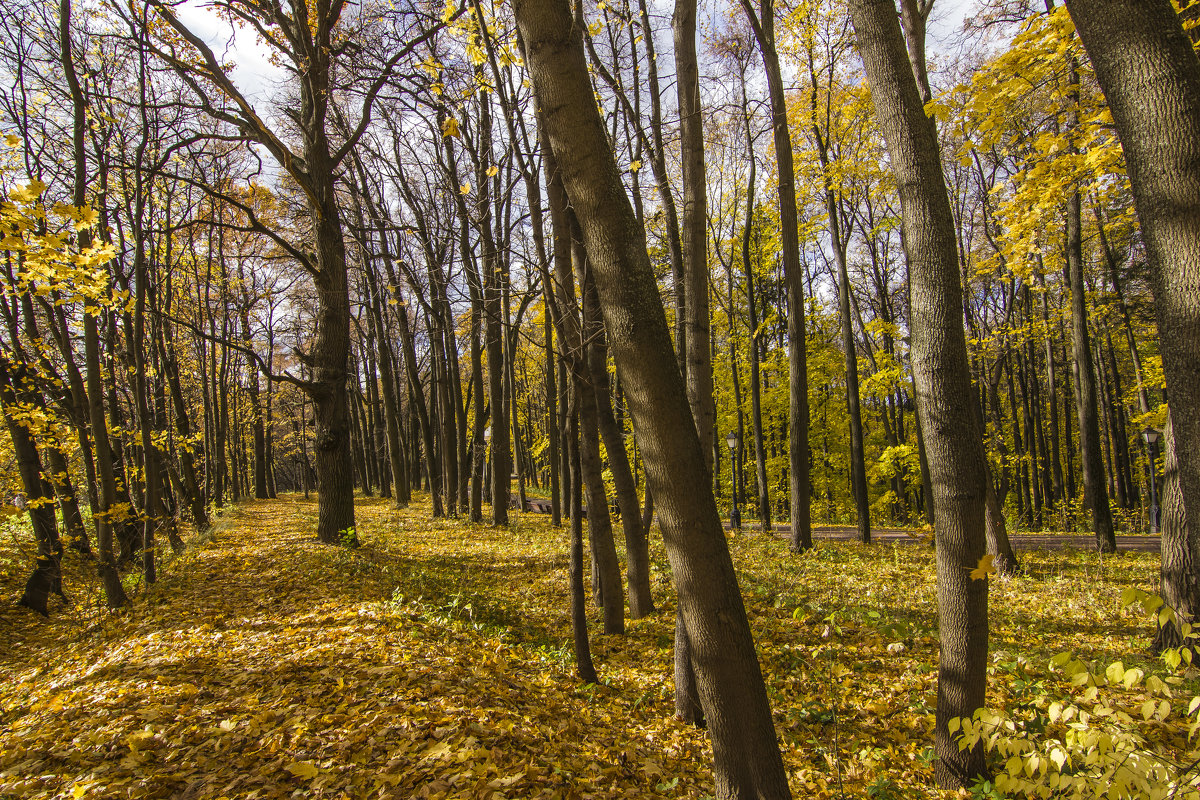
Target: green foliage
[1091, 729]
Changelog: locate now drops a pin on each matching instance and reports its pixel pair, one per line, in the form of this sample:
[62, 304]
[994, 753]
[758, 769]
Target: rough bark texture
[1150, 75]
[745, 749]
[943, 380]
[1179, 579]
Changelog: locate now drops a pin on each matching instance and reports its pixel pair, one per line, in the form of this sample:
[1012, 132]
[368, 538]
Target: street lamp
[1150, 437]
[735, 516]
[487, 468]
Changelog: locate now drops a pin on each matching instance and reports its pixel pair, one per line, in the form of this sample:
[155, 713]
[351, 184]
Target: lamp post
[735, 516]
[487, 467]
[1150, 437]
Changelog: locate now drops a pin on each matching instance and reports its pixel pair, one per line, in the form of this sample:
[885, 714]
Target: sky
[254, 74]
[257, 77]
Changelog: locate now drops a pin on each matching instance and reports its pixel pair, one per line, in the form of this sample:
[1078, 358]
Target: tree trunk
[47, 574]
[694, 236]
[760, 457]
[800, 496]
[943, 379]
[1179, 577]
[114, 592]
[1095, 487]
[1151, 78]
[637, 551]
[583, 652]
[745, 749]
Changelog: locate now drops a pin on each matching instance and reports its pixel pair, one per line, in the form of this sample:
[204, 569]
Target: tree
[313, 38]
[745, 749]
[943, 380]
[762, 22]
[1150, 75]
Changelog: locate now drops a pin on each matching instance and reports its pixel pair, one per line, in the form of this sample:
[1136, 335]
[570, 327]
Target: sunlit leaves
[41, 242]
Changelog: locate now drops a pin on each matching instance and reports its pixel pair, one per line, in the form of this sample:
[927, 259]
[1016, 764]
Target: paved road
[1020, 541]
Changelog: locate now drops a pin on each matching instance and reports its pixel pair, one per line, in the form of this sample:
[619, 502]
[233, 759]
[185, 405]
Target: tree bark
[943, 379]
[745, 749]
[694, 235]
[1150, 75]
[763, 24]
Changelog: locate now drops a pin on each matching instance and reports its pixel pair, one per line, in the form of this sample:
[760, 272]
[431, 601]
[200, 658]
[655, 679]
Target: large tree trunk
[1151, 78]
[695, 216]
[697, 355]
[1179, 578]
[943, 380]
[745, 749]
[330, 354]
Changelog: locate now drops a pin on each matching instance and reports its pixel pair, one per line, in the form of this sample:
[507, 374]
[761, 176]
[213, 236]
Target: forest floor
[434, 661]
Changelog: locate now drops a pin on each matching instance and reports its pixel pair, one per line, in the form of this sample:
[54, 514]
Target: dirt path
[1020, 541]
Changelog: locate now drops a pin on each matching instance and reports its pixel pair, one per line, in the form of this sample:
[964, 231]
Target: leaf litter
[434, 662]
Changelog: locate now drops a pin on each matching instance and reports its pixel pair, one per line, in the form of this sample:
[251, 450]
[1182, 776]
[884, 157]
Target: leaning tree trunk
[745, 748]
[942, 374]
[1150, 75]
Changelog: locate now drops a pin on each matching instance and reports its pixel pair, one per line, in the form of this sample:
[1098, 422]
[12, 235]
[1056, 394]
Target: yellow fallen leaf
[983, 569]
[305, 770]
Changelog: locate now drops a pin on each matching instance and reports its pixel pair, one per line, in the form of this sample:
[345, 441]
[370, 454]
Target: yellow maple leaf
[450, 127]
[983, 569]
[465, 188]
[492, 171]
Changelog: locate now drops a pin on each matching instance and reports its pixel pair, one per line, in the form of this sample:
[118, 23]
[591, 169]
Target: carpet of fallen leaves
[434, 661]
